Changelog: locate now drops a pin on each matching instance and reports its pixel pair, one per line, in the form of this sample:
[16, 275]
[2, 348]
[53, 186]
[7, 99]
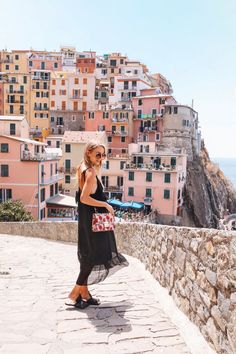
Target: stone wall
[198, 266]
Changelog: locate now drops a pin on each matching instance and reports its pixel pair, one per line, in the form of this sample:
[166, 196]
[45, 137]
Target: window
[120, 181]
[7, 67]
[105, 115]
[91, 115]
[122, 165]
[131, 176]
[112, 62]
[5, 194]
[16, 57]
[67, 148]
[12, 129]
[11, 109]
[84, 92]
[167, 178]
[25, 79]
[173, 161]
[154, 112]
[49, 142]
[37, 85]
[76, 81]
[51, 190]
[122, 139]
[109, 138]
[56, 188]
[67, 179]
[55, 65]
[42, 195]
[140, 102]
[139, 113]
[179, 193]
[175, 110]
[4, 171]
[57, 144]
[67, 164]
[16, 67]
[30, 63]
[166, 194]
[184, 122]
[43, 65]
[121, 61]
[131, 191]
[157, 137]
[107, 165]
[126, 85]
[148, 193]
[63, 82]
[63, 105]
[148, 177]
[85, 81]
[45, 86]
[4, 148]
[37, 94]
[52, 119]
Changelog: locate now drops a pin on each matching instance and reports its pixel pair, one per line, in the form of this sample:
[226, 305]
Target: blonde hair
[90, 146]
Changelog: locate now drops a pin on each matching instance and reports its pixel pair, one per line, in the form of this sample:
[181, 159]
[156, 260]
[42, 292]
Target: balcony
[128, 89]
[76, 97]
[39, 78]
[114, 189]
[28, 156]
[120, 120]
[6, 60]
[37, 108]
[125, 99]
[120, 133]
[16, 91]
[148, 116]
[148, 129]
[148, 166]
[118, 155]
[52, 179]
[40, 87]
[16, 101]
[68, 170]
[147, 200]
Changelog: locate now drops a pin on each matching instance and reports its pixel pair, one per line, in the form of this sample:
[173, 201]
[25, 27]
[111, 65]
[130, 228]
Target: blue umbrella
[114, 202]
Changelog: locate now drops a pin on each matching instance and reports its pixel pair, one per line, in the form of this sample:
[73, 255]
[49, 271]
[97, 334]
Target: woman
[97, 252]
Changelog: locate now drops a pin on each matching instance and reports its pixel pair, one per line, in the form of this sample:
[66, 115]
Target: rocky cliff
[208, 193]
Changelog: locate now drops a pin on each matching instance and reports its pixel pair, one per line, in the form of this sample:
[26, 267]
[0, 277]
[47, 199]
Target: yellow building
[16, 88]
[73, 144]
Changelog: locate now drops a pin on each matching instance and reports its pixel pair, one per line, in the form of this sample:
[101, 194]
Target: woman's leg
[81, 287]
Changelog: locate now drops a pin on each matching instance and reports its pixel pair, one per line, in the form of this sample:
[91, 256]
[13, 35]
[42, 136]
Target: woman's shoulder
[89, 171]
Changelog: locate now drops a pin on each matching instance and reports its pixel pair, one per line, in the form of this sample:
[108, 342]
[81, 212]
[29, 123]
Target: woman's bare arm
[87, 190]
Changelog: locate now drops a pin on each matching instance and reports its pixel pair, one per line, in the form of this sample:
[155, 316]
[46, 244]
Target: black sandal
[80, 303]
[93, 301]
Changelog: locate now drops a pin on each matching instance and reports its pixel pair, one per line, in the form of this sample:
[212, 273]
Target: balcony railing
[114, 189]
[76, 97]
[120, 120]
[52, 179]
[6, 60]
[68, 170]
[145, 166]
[119, 155]
[148, 116]
[28, 156]
[147, 199]
[119, 132]
[36, 108]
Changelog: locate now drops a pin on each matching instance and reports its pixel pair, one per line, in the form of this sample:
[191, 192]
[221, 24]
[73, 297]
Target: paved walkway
[35, 278]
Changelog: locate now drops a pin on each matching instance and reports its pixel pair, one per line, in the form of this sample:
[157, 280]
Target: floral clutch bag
[103, 222]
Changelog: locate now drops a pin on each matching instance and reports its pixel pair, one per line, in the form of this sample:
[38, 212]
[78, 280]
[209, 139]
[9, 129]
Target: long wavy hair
[86, 163]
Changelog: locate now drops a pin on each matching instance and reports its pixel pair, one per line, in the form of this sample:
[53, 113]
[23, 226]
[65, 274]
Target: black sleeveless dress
[97, 251]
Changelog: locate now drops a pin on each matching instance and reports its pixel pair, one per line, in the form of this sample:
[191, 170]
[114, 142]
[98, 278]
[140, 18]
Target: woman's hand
[110, 209]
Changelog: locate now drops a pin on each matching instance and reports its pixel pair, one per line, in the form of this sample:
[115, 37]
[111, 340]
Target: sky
[192, 43]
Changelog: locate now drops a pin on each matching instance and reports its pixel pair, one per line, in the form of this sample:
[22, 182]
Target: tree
[14, 210]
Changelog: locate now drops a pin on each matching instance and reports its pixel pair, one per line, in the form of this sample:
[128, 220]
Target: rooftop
[24, 140]
[15, 118]
[136, 313]
[82, 137]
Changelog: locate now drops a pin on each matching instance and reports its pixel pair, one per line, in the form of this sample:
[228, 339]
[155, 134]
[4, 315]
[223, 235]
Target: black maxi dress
[97, 251]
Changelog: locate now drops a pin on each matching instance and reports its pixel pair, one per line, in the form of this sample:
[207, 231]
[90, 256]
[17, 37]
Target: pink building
[28, 173]
[45, 61]
[148, 112]
[156, 177]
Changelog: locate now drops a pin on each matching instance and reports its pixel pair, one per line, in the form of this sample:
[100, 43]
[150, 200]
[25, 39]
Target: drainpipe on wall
[39, 216]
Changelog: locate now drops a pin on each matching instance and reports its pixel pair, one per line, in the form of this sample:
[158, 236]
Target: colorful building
[156, 177]
[73, 144]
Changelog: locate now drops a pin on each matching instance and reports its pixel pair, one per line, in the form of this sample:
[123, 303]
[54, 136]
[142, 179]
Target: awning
[62, 200]
[126, 205]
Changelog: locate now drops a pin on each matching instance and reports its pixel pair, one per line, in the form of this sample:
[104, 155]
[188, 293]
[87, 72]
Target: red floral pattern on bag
[103, 222]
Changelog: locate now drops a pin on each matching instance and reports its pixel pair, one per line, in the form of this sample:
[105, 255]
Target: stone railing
[198, 266]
